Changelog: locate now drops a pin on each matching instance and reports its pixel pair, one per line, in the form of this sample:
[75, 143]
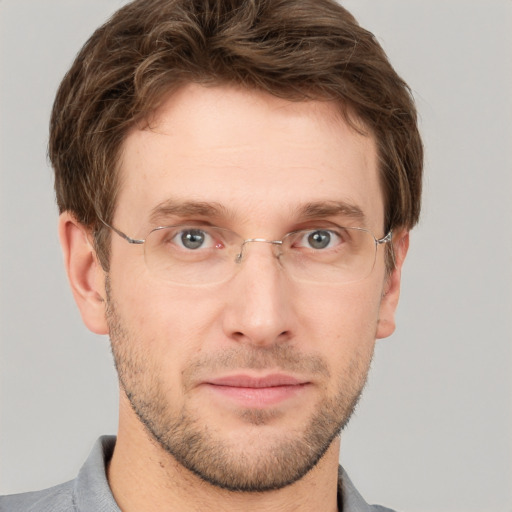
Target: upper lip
[249, 381]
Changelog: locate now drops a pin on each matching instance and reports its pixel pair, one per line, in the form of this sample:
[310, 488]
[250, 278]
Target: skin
[261, 158]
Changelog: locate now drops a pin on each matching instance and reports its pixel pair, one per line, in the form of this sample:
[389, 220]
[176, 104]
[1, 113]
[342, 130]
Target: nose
[259, 307]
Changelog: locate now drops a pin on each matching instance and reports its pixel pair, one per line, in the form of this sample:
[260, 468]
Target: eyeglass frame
[387, 238]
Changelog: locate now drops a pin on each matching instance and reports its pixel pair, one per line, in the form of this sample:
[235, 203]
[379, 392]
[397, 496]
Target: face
[245, 382]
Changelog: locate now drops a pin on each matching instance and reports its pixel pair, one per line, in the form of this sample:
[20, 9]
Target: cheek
[171, 323]
[341, 324]
[341, 313]
[162, 331]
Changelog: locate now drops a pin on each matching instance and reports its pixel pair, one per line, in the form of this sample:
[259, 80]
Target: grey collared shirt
[90, 492]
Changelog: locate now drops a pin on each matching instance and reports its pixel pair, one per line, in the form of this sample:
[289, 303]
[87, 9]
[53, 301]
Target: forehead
[253, 154]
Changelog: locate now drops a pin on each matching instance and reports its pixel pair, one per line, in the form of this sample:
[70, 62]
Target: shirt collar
[91, 491]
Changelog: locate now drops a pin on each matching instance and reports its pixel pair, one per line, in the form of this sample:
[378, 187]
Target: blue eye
[319, 239]
[193, 239]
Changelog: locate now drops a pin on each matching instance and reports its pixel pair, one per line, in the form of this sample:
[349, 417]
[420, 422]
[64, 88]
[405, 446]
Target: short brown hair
[294, 49]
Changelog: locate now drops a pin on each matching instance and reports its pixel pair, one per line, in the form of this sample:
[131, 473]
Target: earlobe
[86, 277]
[391, 292]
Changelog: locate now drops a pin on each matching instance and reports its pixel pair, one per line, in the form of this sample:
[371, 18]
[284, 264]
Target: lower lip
[258, 397]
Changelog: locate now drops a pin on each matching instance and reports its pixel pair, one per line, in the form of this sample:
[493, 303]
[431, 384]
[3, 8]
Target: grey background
[434, 430]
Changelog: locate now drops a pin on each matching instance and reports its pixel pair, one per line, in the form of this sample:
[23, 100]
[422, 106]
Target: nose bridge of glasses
[240, 255]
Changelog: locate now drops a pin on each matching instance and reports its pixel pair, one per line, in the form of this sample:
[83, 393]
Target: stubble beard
[204, 451]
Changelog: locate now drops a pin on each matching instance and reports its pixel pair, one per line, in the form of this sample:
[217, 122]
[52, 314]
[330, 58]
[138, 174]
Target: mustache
[283, 357]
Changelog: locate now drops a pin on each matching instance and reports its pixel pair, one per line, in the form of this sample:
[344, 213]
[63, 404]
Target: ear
[85, 274]
[391, 292]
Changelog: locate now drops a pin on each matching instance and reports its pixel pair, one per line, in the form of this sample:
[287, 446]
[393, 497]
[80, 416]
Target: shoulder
[54, 499]
[89, 491]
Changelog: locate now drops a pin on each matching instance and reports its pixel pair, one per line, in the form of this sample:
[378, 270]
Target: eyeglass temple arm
[385, 239]
[122, 235]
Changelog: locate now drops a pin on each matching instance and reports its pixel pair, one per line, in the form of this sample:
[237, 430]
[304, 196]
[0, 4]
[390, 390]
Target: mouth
[257, 391]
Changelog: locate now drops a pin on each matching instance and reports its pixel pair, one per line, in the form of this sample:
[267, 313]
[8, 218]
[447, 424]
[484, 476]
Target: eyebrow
[322, 209]
[311, 210]
[172, 207]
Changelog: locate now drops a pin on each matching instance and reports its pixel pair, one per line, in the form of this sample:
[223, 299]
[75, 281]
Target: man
[236, 181]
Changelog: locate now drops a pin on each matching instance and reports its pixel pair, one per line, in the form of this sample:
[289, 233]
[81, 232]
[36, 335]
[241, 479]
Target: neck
[143, 476]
